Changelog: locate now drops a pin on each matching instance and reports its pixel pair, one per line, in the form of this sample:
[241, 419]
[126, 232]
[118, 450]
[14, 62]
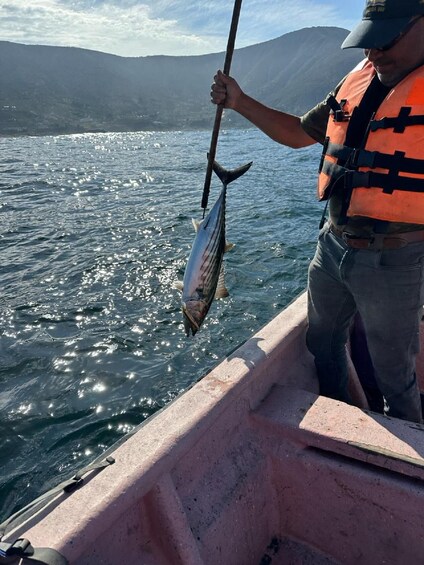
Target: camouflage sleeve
[314, 122]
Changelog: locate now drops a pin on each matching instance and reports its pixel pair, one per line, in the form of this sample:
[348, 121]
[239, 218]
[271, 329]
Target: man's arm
[279, 126]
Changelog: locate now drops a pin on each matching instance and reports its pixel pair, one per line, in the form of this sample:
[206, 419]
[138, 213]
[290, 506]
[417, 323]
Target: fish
[204, 274]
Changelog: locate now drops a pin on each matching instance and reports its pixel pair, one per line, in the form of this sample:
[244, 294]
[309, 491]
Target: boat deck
[252, 467]
[340, 474]
[289, 552]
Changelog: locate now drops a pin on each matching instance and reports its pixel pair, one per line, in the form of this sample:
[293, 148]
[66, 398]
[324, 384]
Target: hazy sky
[164, 27]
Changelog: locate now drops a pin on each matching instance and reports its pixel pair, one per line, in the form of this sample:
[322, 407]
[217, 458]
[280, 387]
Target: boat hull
[251, 466]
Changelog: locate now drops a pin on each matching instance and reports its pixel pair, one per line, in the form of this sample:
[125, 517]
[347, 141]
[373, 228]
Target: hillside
[51, 90]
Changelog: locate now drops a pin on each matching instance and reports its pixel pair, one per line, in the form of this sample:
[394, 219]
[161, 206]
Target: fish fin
[226, 176]
[178, 285]
[196, 224]
[228, 246]
[221, 289]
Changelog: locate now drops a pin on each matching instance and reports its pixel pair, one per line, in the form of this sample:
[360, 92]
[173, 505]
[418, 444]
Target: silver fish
[204, 274]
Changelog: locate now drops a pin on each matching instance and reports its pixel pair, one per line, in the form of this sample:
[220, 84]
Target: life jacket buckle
[362, 158]
[337, 109]
[341, 116]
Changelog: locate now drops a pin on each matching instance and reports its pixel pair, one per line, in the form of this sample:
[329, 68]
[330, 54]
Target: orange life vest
[385, 178]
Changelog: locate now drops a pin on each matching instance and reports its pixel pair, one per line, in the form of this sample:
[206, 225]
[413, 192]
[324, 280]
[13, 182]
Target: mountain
[52, 90]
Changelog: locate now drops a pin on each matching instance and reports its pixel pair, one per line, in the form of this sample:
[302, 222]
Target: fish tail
[226, 176]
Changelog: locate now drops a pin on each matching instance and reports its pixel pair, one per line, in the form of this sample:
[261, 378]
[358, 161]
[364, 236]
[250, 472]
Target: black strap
[342, 152]
[337, 108]
[376, 159]
[333, 170]
[399, 123]
[397, 161]
[22, 549]
[323, 154]
[66, 486]
[388, 183]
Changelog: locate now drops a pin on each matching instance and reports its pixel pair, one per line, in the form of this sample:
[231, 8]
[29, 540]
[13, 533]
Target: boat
[250, 466]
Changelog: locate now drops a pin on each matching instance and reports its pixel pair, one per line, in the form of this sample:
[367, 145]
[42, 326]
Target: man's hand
[225, 90]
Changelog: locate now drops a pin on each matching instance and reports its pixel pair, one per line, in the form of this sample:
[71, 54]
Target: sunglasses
[405, 30]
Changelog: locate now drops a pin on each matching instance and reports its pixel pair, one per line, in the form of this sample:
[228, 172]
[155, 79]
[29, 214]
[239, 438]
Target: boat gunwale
[166, 437]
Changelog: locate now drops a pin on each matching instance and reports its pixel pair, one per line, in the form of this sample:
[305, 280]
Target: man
[370, 252]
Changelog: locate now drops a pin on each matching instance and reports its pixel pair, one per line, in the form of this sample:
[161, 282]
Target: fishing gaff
[220, 108]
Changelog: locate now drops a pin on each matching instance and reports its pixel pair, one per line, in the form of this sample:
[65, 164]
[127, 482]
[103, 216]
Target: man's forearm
[279, 126]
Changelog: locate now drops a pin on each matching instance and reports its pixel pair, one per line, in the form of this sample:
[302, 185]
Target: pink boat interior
[251, 467]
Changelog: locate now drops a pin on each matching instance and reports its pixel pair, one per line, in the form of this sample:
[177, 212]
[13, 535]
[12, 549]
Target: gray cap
[382, 21]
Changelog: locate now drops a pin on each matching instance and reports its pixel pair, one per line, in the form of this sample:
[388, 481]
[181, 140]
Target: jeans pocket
[410, 257]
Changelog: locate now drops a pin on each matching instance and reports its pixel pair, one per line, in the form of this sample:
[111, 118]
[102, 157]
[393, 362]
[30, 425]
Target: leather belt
[378, 241]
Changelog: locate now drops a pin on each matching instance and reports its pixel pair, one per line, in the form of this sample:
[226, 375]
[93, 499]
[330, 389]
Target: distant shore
[188, 127]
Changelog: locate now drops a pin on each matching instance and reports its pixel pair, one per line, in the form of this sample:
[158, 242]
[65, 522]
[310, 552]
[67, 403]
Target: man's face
[395, 63]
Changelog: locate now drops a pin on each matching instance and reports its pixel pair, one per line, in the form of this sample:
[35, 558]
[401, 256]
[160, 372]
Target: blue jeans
[387, 288]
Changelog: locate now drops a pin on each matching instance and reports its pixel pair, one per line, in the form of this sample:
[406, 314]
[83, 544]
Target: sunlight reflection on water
[95, 230]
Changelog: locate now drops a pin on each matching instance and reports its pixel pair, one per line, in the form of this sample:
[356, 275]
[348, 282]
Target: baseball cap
[382, 21]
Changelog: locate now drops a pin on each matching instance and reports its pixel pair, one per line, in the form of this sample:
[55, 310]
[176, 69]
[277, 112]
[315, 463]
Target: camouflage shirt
[314, 122]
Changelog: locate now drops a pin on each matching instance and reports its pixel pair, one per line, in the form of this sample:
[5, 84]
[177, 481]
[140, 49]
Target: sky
[133, 28]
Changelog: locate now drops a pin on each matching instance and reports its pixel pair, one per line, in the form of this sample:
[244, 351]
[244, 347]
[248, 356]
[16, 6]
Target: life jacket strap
[337, 108]
[375, 159]
[399, 123]
[333, 170]
[389, 183]
[341, 152]
[395, 163]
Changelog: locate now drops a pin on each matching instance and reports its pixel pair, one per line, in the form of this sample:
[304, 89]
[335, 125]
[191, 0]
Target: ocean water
[94, 231]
